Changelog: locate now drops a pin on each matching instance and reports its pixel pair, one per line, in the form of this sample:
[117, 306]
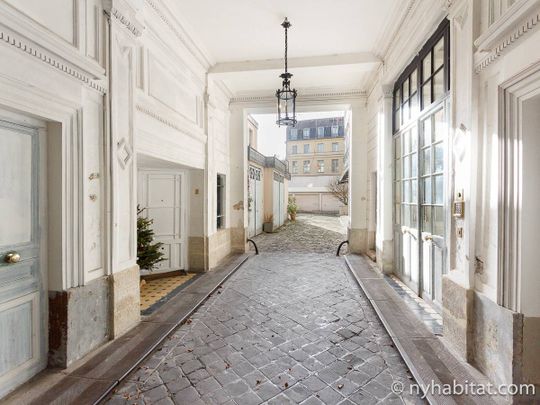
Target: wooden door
[162, 197]
[23, 304]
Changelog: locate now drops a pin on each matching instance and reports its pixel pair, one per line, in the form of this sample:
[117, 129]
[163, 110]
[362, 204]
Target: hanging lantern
[286, 97]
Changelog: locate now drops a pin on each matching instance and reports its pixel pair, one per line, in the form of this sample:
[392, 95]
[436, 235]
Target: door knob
[12, 257]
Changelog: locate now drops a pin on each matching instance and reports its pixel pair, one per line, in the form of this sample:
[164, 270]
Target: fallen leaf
[258, 382]
[286, 384]
[340, 386]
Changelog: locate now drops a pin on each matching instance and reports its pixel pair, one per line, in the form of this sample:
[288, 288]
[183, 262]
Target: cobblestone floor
[309, 233]
[286, 328]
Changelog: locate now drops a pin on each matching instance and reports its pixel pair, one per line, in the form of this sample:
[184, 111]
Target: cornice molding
[51, 60]
[135, 28]
[512, 26]
[180, 33]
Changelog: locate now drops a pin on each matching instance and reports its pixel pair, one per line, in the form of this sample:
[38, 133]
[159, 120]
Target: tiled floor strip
[429, 360]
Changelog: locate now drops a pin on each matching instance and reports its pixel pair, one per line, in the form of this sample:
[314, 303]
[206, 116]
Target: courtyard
[290, 326]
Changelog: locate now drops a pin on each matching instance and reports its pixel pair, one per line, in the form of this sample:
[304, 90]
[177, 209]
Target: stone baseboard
[385, 257]
[125, 301]
[358, 239]
[457, 303]
[78, 321]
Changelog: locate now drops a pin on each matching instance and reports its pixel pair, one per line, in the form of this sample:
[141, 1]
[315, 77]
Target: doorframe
[512, 94]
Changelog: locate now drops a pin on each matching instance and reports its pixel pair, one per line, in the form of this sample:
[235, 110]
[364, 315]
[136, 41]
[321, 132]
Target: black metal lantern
[286, 97]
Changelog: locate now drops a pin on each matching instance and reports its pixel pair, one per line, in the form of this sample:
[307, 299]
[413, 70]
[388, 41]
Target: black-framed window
[425, 81]
[220, 215]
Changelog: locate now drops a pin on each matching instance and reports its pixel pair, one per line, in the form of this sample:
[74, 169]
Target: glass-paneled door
[420, 138]
[432, 208]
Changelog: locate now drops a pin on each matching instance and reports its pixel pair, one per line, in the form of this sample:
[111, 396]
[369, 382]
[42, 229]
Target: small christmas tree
[148, 252]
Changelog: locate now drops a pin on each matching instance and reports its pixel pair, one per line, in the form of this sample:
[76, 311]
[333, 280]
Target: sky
[272, 138]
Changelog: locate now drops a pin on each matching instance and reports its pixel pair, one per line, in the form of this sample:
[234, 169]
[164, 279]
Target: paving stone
[290, 326]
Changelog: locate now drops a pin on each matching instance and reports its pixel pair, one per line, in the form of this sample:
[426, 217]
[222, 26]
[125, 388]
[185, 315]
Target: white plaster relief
[46, 57]
[499, 37]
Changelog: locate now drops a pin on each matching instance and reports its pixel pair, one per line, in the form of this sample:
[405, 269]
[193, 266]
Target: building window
[320, 166]
[307, 164]
[295, 166]
[306, 148]
[294, 134]
[335, 147]
[294, 149]
[320, 132]
[306, 133]
[335, 165]
[425, 81]
[320, 147]
[335, 130]
[220, 201]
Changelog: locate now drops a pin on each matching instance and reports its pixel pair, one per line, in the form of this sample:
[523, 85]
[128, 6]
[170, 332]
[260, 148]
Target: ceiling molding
[302, 62]
[398, 16]
[168, 18]
[517, 21]
[52, 60]
[305, 95]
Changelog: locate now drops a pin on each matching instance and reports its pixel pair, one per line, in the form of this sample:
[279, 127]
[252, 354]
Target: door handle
[12, 257]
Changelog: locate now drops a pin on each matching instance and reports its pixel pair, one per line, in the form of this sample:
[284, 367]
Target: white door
[259, 207]
[23, 305]
[161, 196]
[256, 205]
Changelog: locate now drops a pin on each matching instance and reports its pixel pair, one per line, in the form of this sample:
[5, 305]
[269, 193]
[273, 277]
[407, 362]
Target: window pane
[397, 146]
[414, 191]
[398, 98]
[426, 138]
[427, 190]
[440, 125]
[426, 67]
[406, 215]
[406, 167]
[438, 158]
[438, 85]
[426, 161]
[414, 79]
[406, 191]
[438, 189]
[414, 139]
[438, 221]
[406, 89]
[438, 54]
[397, 119]
[405, 112]
[414, 165]
[426, 94]
[406, 145]
[398, 169]
[414, 219]
[414, 105]
[426, 219]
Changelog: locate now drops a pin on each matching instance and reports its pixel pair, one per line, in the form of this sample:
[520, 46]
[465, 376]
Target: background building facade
[315, 152]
